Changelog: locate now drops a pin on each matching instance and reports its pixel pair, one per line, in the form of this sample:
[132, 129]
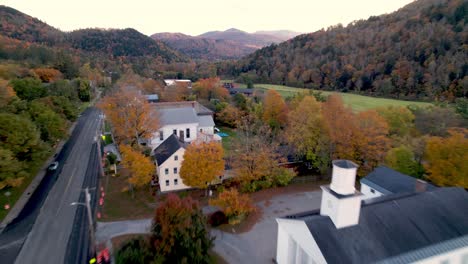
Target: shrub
[283, 176]
[234, 205]
[217, 218]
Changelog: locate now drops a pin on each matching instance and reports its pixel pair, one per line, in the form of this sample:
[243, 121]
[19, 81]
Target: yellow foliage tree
[202, 163]
[141, 167]
[307, 133]
[447, 159]
[275, 110]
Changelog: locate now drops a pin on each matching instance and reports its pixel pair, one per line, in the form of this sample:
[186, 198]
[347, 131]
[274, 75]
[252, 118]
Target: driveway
[259, 244]
[255, 246]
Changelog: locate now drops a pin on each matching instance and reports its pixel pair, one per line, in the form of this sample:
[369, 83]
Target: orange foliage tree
[235, 206]
[47, 74]
[6, 93]
[447, 159]
[275, 110]
[141, 167]
[342, 128]
[132, 117]
[210, 88]
[202, 163]
[374, 142]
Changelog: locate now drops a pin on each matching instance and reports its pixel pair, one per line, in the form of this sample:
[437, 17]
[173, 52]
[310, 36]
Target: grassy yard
[227, 141]
[357, 102]
[120, 205]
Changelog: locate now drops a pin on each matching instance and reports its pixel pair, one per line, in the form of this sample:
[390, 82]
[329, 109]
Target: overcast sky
[194, 17]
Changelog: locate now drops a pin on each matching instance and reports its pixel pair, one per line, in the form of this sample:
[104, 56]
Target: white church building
[418, 227]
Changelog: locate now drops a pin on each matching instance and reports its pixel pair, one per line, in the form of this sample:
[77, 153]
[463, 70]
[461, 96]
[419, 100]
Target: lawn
[357, 102]
[120, 205]
[227, 141]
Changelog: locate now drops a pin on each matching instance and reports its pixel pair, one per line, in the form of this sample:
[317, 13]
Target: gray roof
[152, 97]
[387, 181]
[206, 121]
[174, 116]
[393, 225]
[167, 148]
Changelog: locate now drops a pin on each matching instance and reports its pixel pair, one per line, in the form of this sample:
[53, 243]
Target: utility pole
[90, 219]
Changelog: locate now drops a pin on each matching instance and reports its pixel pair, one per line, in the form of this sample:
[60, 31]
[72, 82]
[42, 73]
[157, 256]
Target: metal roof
[175, 116]
[167, 148]
[206, 121]
[393, 225]
[386, 180]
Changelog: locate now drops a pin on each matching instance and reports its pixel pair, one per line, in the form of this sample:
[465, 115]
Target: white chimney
[340, 200]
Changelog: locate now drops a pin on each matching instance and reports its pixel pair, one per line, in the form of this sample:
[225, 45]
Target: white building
[174, 82]
[169, 156]
[383, 180]
[189, 121]
[418, 227]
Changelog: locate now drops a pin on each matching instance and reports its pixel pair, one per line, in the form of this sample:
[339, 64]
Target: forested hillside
[204, 48]
[112, 42]
[417, 52]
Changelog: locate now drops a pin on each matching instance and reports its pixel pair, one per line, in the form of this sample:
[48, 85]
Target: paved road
[53, 217]
[256, 246]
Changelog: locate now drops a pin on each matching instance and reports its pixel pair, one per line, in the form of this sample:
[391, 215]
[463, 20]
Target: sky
[194, 17]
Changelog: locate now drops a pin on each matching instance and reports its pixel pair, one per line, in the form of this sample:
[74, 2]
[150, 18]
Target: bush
[135, 251]
[217, 218]
[234, 205]
[283, 176]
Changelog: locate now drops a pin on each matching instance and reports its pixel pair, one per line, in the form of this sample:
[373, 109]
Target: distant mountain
[419, 51]
[229, 44]
[115, 42]
[242, 37]
[283, 34]
[204, 48]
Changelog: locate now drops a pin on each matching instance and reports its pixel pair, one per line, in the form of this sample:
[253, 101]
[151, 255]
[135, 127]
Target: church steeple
[340, 200]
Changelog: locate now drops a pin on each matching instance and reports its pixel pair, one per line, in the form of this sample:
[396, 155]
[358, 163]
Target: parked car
[216, 130]
[53, 166]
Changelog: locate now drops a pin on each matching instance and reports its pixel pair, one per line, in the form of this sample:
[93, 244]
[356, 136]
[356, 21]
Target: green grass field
[357, 102]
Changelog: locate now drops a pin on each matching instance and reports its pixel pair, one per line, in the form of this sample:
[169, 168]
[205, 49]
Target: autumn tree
[176, 93]
[341, 125]
[229, 116]
[48, 75]
[210, 88]
[235, 206]
[203, 163]
[400, 120]
[373, 142]
[275, 110]
[132, 117]
[307, 133]
[141, 167]
[179, 232]
[254, 154]
[6, 93]
[446, 159]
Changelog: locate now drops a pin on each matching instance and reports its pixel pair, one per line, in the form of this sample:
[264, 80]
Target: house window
[176, 157]
[166, 171]
[161, 135]
[176, 181]
[167, 182]
[187, 132]
[372, 190]
[174, 132]
[175, 170]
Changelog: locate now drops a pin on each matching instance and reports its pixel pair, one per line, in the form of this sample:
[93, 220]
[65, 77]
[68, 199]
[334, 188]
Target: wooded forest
[417, 52]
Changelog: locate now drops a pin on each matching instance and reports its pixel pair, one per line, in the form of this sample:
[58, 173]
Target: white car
[53, 166]
[216, 130]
